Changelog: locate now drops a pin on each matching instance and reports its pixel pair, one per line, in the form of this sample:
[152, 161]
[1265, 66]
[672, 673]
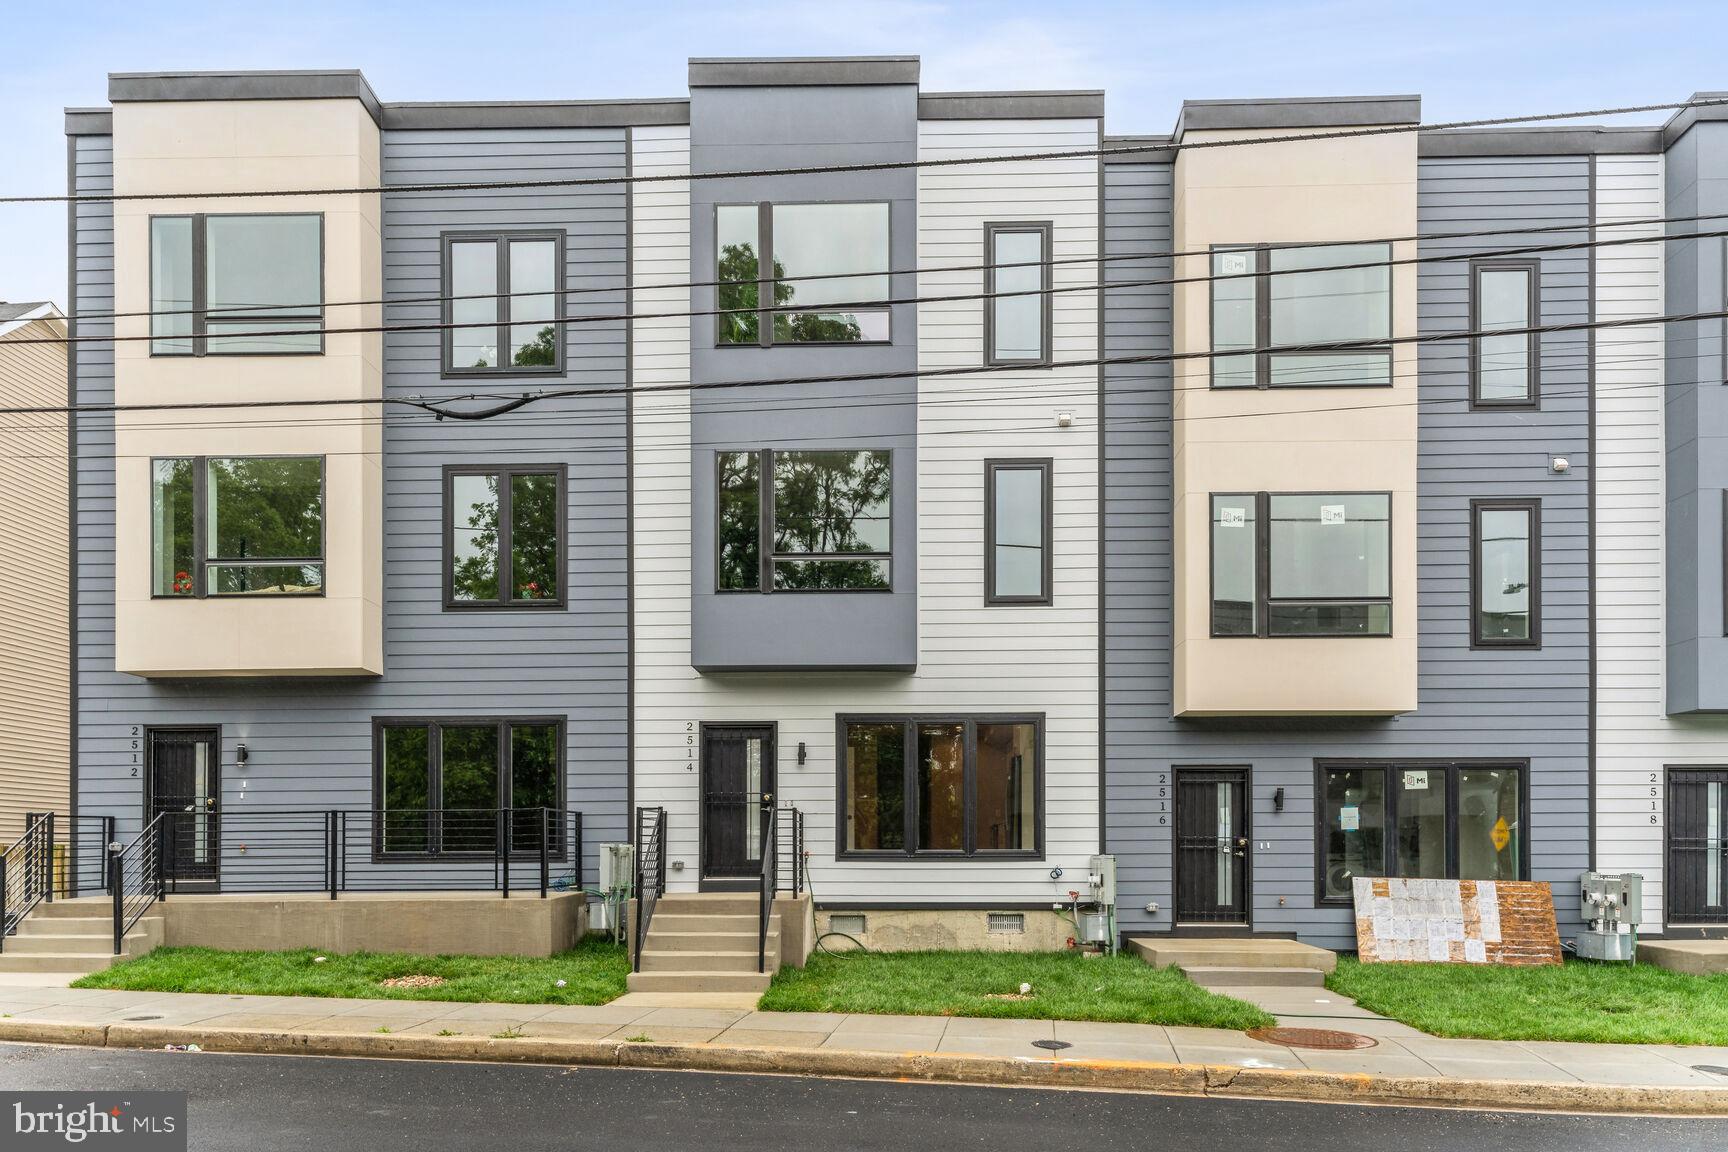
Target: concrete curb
[952, 1068]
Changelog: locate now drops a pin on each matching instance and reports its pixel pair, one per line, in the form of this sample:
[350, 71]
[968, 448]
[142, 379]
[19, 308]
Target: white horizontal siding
[1635, 738]
[972, 658]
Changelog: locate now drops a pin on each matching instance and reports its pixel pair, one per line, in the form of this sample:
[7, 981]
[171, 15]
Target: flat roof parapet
[801, 71]
[291, 84]
[1297, 112]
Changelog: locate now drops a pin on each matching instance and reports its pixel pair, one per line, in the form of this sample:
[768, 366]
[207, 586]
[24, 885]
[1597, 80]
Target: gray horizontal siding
[310, 742]
[1472, 704]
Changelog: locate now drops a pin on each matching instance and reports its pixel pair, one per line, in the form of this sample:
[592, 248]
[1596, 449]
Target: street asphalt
[265, 1103]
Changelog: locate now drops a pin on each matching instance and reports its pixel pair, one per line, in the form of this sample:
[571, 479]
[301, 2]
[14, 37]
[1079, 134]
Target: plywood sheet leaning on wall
[1455, 921]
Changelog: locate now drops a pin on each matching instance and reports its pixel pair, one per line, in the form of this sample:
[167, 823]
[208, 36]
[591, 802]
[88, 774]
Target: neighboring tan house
[34, 589]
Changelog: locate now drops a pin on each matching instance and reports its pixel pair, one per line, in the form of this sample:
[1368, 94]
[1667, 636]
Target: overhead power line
[863, 305]
[873, 166]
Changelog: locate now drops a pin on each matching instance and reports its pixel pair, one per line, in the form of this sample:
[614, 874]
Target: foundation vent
[1011, 922]
[851, 923]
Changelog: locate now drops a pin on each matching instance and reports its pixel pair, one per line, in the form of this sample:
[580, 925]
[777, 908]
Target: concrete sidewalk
[1404, 1065]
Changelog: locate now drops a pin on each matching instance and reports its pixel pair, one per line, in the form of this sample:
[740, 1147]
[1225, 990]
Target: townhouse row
[997, 496]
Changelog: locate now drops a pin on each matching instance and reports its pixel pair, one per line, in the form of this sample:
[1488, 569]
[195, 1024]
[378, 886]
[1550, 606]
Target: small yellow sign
[1501, 835]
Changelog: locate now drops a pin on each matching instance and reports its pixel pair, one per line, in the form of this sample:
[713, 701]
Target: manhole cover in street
[1713, 1069]
[135, 1019]
[1312, 1038]
[1052, 1045]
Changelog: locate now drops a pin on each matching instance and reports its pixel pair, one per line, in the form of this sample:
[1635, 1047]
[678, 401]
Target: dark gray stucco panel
[734, 128]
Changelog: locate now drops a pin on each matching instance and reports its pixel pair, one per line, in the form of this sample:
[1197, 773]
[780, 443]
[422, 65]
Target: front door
[185, 789]
[1697, 846]
[1211, 846]
[737, 779]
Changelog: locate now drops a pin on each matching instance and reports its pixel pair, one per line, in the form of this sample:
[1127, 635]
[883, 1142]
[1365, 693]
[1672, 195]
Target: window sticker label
[1233, 263]
[1416, 781]
[1331, 513]
[1232, 517]
[1350, 818]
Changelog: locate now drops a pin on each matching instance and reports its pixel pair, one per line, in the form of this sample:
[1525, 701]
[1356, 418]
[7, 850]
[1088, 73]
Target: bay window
[1301, 564]
[237, 526]
[1270, 296]
[826, 281]
[804, 521]
[213, 277]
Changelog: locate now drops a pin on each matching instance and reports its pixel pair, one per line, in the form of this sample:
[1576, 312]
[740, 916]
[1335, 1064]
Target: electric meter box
[1101, 875]
[617, 867]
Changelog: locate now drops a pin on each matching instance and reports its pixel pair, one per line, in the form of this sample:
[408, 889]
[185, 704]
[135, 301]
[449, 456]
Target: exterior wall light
[800, 753]
[241, 755]
[1559, 465]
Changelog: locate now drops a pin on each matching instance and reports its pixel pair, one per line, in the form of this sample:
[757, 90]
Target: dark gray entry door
[737, 780]
[186, 790]
[1211, 846]
[1698, 845]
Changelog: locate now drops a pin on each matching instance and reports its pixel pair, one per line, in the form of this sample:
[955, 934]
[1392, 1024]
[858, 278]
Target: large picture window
[503, 298]
[1422, 820]
[795, 521]
[1302, 564]
[504, 537]
[1017, 326]
[440, 785]
[941, 786]
[237, 526]
[1505, 578]
[212, 277]
[829, 269]
[1503, 294]
[1268, 296]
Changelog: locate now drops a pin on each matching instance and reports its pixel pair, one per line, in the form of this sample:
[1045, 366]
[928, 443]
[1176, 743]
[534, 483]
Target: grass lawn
[593, 973]
[1579, 1001]
[1064, 987]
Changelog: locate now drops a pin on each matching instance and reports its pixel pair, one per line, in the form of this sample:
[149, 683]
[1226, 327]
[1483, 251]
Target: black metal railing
[789, 876]
[650, 873]
[770, 878]
[81, 854]
[136, 878]
[26, 872]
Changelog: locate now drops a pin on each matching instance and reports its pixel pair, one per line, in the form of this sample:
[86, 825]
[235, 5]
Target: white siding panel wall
[972, 658]
[1635, 738]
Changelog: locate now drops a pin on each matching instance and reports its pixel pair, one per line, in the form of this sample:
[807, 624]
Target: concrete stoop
[704, 942]
[70, 937]
[1239, 961]
[1697, 957]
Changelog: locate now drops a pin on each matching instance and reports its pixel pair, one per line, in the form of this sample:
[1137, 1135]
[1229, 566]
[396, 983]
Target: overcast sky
[1466, 59]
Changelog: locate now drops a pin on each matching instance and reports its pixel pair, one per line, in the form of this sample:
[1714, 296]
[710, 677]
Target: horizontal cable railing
[650, 872]
[789, 853]
[136, 878]
[81, 854]
[26, 872]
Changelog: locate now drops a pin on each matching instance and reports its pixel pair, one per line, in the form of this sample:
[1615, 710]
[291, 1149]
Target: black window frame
[1262, 350]
[1046, 466]
[1532, 399]
[505, 472]
[1263, 600]
[1045, 230]
[501, 239]
[199, 336]
[201, 563]
[910, 723]
[1451, 769]
[766, 309]
[765, 554]
[1533, 507]
[435, 785]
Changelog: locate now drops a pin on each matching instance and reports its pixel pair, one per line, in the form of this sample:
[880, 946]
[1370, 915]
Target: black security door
[185, 789]
[1211, 846]
[737, 780]
[1698, 845]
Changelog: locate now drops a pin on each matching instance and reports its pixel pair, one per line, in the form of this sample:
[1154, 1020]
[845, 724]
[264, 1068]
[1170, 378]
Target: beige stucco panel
[1292, 440]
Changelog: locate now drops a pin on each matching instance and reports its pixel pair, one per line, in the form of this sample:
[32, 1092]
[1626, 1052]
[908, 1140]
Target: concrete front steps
[702, 942]
[1239, 961]
[75, 937]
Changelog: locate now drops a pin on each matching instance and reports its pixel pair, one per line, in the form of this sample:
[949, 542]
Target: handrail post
[109, 834]
[504, 848]
[48, 861]
[545, 859]
[341, 853]
[116, 877]
[2, 902]
[161, 859]
[330, 851]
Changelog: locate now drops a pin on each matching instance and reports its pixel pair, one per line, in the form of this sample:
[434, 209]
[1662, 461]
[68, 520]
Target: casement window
[1503, 294]
[503, 303]
[1505, 573]
[1422, 820]
[1268, 296]
[1302, 564]
[1017, 531]
[829, 269]
[213, 276]
[1017, 327]
[504, 537]
[795, 521]
[941, 786]
[237, 526]
[440, 785]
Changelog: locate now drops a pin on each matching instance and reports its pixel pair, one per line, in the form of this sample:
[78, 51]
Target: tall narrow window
[504, 537]
[1506, 587]
[1302, 564]
[504, 303]
[1503, 294]
[261, 532]
[826, 282]
[803, 521]
[1267, 297]
[1017, 531]
[240, 284]
[1017, 322]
